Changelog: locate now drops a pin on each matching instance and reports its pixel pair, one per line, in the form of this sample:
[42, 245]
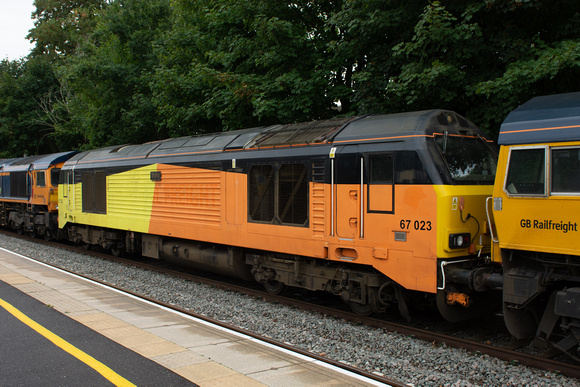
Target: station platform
[61, 329]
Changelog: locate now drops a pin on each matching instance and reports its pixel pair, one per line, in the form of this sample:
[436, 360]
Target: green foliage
[535, 51]
[234, 64]
[108, 80]
[62, 25]
[108, 72]
[24, 127]
[484, 59]
[437, 60]
[361, 36]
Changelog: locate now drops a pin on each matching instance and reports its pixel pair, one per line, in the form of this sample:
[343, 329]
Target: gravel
[408, 360]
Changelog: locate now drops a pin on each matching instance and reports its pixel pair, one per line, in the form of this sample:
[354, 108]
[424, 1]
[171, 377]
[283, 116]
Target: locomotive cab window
[54, 176]
[40, 179]
[409, 169]
[565, 166]
[526, 175]
[380, 188]
[278, 195]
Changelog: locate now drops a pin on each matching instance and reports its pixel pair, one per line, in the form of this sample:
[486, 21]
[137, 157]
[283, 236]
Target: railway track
[506, 353]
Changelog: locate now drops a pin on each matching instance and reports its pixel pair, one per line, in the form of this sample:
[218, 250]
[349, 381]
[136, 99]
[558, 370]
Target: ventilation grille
[301, 134]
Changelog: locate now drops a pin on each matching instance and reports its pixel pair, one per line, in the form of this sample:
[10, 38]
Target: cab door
[347, 186]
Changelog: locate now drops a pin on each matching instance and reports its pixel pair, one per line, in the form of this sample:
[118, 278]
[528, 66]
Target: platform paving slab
[203, 354]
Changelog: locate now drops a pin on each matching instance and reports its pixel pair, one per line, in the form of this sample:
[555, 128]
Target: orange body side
[211, 206]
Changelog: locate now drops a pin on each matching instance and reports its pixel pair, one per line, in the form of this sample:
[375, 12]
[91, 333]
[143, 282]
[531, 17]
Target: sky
[15, 21]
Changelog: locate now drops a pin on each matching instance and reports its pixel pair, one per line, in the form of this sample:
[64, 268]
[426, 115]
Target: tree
[483, 59]
[138, 70]
[536, 51]
[62, 25]
[23, 125]
[360, 39]
[109, 76]
[436, 63]
[233, 64]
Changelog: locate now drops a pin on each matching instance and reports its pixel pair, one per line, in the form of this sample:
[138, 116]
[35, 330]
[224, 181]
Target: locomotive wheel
[387, 294]
[47, 236]
[521, 323]
[117, 251]
[361, 309]
[274, 287]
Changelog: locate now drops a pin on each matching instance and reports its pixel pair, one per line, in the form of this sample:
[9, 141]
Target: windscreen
[469, 159]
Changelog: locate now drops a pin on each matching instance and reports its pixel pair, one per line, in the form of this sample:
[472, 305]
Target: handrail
[332, 197]
[361, 197]
[493, 237]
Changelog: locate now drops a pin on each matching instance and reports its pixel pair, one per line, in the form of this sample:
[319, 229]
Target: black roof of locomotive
[400, 126]
[34, 162]
[364, 129]
[550, 118]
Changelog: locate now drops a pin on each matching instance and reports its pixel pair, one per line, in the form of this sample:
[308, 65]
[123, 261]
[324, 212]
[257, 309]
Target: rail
[506, 354]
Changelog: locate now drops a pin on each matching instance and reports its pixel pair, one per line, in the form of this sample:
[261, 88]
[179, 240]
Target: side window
[565, 170]
[87, 183]
[19, 184]
[94, 192]
[5, 191]
[100, 192]
[409, 169]
[293, 194]
[40, 179]
[526, 172]
[261, 186]
[278, 195]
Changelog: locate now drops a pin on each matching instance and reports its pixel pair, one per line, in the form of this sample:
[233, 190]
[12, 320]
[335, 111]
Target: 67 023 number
[419, 225]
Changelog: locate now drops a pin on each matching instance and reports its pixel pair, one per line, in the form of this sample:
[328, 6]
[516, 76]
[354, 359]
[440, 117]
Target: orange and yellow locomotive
[374, 208]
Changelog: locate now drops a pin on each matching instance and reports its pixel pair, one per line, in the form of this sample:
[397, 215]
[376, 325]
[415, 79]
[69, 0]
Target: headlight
[459, 241]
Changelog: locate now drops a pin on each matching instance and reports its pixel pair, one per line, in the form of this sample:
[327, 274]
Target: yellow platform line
[102, 369]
